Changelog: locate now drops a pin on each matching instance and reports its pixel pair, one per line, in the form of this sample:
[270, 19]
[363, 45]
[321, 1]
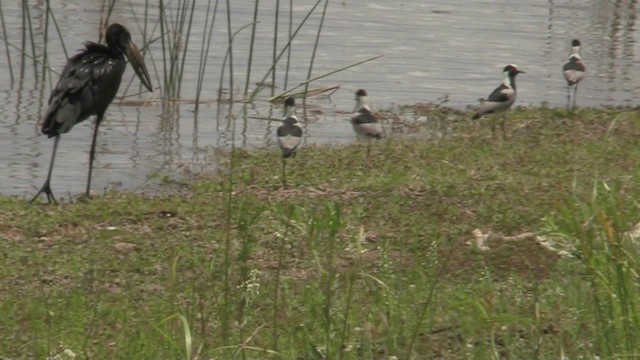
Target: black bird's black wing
[498, 94]
[87, 85]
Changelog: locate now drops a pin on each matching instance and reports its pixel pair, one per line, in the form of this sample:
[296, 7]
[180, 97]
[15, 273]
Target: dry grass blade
[304, 83]
[301, 94]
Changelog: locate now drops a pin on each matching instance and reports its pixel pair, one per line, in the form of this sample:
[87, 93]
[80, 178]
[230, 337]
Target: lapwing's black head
[289, 107]
[575, 43]
[289, 102]
[361, 92]
[512, 70]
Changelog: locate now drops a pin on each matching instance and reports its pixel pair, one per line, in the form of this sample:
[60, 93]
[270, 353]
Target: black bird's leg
[46, 188]
[575, 96]
[569, 97]
[92, 153]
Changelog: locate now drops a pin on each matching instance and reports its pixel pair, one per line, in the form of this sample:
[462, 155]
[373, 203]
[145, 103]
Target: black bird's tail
[49, 125]
[65, 110]
[476, 116]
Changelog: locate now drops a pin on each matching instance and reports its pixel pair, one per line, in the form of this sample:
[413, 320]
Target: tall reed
[230, 50]
[105, 15]
[261, 83]
[256, 7]
[204, 55]
[27, 30]
[246, 218]
[175, 30]
[223, 68]
[275, 46]
[186, 43]
[59, 31]
[286, 73]
[315, 49]
[226, 287]
[291, 216]
[45, 42]
[6, 40]
[322, 232]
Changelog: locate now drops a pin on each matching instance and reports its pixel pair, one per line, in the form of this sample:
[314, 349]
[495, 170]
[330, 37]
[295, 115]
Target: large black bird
[88, 84]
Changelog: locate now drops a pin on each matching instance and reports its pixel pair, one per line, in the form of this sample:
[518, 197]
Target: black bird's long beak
[137, 62]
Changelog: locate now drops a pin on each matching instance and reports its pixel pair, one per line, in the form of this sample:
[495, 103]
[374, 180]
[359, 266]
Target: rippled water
[446, 47]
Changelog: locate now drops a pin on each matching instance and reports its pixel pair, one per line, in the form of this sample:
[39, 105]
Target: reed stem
[230, 50]
[186, 46]
[224, 62]
[23, 39]
[315, 49]
[55, 24]
[45, 41]
[261, 83]
[205, 54]
[33, 43]
[275, 46]
[253, 38]
[164, 46]
[286, 74]
[6, 39]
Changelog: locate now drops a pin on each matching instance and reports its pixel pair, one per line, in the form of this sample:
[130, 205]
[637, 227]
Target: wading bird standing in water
[573, 72]
[88, 84]
[289, 135]
[364, 122]
[500, 99]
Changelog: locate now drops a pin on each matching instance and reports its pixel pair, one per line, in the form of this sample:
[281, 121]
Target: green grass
[353, 260]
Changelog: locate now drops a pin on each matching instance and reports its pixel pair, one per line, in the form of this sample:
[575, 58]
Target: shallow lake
[452, 48]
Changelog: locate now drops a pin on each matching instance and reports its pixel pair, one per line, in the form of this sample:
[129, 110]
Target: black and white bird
[364, 122]
[502, 98]
[87, 86]
[573, 71]
[289, 134]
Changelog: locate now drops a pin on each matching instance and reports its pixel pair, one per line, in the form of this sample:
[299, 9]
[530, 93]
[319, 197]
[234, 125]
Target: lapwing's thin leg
[46, 188]
[493, 128]
[284, 172]
[503, 125]
[568, 97]
[92, 153]
[575, 96]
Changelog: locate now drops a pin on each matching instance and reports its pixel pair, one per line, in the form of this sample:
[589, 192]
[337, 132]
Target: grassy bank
[354, 259]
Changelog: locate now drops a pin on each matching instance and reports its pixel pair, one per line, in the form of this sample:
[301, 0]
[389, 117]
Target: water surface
[452, 48]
